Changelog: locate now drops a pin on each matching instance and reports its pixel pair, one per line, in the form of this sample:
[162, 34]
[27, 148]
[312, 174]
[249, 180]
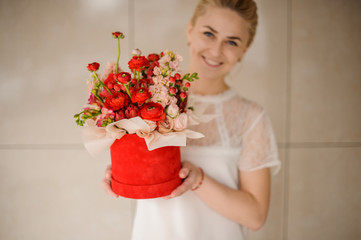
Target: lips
[211, 63]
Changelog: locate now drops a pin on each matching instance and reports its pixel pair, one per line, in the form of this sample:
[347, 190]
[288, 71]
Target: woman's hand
[106, 182]
[192, 176]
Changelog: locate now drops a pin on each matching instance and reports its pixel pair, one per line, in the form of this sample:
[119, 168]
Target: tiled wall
[303, 68]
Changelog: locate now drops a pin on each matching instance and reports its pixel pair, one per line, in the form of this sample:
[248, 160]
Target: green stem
[96, 95]
[127, 88]
[117, 66]
[97, 78]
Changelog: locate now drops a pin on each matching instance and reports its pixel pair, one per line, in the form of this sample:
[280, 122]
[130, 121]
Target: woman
[228, 170]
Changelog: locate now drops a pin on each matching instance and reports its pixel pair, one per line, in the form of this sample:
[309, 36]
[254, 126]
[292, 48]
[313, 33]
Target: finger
[167, 197]
[106, 185]
[108, 173]
[184, 172]
[185, 186]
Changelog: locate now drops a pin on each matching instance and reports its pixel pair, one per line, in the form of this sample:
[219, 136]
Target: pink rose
[152, 125]
[180, 123]
[173, 110]
[166, 126]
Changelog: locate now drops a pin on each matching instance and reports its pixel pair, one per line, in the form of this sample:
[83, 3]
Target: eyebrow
[231, 37]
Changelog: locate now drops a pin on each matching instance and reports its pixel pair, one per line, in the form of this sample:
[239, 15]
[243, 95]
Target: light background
[304, 68]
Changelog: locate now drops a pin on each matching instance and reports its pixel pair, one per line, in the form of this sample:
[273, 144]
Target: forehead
[225, 21]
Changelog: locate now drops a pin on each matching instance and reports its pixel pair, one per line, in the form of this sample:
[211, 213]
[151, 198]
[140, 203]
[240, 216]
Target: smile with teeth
[211, 63]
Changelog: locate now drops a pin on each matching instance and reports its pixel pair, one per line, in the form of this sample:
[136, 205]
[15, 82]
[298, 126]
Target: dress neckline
[215, 98]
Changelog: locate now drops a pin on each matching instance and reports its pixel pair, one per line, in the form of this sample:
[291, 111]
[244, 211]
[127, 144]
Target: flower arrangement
[153, 89]
[142, 116]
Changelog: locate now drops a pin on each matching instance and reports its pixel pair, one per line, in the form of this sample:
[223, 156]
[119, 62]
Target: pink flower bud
[177, 76]
[183, 95]
[136, 52]
[172, 79]
[172, 91]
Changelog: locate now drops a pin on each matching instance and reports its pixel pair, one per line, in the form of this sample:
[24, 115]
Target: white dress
[239, 138]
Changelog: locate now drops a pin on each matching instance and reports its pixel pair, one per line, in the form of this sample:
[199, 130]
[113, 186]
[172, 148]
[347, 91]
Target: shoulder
[251, 114]
[252, 108]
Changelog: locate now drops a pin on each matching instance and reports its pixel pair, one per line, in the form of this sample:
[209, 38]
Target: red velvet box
[139, 173]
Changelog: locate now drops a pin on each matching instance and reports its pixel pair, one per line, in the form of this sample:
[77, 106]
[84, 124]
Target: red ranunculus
[139, 63]
[117, 101]
[141, 95]
[154, 64]
[110, 82]
[153, 57]
[143, 83]
[119, 115]
[149, 73]
[93, 66]
[132, 111]
[116, 87]
[118, 35]
[124, 77]
[134, 81]
[152, 111]
[105, 94]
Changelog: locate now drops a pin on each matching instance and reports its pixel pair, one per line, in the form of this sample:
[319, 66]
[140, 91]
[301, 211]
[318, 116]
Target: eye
[232, 43]
[209, 34]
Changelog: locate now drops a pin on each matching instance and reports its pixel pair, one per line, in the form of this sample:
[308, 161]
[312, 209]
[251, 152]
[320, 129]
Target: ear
[189, 32]
[245, 50]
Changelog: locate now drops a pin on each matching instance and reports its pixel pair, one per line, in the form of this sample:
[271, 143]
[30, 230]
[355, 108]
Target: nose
[216, 49]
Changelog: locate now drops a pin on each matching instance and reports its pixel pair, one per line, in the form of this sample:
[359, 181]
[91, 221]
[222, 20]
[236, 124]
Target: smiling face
[217, 41]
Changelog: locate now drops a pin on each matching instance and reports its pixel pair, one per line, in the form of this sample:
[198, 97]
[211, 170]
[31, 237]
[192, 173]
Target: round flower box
[141, 174]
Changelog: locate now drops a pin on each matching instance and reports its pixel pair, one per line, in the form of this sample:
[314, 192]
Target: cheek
[197, 45]
[234, 56]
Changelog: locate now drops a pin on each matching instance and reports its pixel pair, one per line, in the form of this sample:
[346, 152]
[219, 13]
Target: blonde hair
[247, 9]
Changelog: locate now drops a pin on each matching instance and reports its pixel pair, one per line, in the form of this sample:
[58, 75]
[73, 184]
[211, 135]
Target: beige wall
[304, 68]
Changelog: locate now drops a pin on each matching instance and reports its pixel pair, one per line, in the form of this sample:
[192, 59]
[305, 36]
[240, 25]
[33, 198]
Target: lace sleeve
[259, 147]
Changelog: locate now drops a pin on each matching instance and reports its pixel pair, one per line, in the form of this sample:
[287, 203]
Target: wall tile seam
[131, 23]
[42, 147]
[288, 110]
[281, 145]
[295, 145]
